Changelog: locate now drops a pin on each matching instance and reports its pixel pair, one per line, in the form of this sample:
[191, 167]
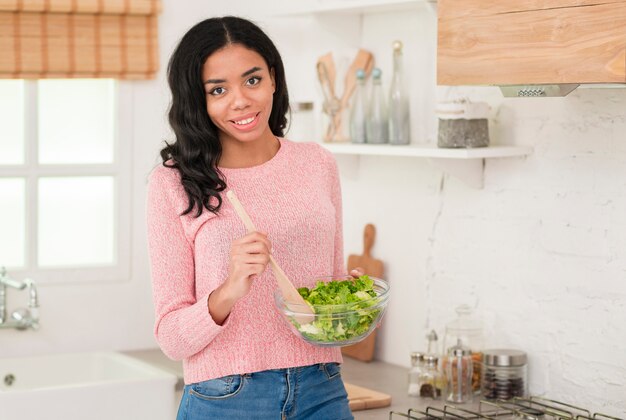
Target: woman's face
[239, 93]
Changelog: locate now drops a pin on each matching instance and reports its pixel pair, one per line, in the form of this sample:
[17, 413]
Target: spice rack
[465, 164]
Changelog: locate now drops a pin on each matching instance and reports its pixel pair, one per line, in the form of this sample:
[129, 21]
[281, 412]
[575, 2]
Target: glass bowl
[336, 325]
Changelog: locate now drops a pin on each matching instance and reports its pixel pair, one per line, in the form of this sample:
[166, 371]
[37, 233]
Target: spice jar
[431, 379]
[417, 363]
[469, 330]
[302, 126]
[463, 124]
[458, 374]
[504, 374]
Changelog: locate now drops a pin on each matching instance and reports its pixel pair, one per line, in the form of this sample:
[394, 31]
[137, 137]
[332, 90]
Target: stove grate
[532, 408]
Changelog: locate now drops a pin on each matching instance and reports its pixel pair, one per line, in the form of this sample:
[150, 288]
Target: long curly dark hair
[197, 149]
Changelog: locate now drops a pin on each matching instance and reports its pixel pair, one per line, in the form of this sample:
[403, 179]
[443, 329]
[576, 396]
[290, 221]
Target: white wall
[540, 252]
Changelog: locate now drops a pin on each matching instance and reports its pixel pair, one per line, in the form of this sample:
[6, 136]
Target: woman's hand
[357, 272]
[249, 256]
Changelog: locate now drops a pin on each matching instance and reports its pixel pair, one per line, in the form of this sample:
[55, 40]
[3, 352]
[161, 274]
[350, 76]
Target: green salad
[340, 323]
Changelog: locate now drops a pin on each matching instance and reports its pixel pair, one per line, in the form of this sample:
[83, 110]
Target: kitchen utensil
[363, 60]
[336, 325]
[364, 350]
[290, 293]
[332, 105]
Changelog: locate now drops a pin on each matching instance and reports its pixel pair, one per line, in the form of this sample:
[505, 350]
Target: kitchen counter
[378, 376]
[387, 378]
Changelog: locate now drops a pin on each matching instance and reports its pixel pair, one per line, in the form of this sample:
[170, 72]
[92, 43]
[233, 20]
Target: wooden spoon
[290, 293]
[363, 60]
[332, 105]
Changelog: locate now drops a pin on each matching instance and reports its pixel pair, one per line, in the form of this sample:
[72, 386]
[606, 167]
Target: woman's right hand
[249, 256]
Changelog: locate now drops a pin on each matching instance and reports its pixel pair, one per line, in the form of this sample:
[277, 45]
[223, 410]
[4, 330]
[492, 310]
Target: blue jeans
[313, 392]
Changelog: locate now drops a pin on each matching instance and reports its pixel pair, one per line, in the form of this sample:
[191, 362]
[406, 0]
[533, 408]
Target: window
[65, 179]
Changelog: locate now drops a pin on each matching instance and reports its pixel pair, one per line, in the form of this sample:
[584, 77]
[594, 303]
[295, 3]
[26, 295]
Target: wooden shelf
[427, 151]
[465, 164]
[349, 6]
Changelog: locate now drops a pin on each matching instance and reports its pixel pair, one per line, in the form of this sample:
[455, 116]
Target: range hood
[543, 91]
[552, 90]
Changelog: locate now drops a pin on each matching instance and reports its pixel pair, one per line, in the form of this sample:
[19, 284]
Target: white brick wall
[540, 252]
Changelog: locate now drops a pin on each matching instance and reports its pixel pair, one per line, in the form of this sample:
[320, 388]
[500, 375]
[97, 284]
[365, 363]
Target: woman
[213, 293]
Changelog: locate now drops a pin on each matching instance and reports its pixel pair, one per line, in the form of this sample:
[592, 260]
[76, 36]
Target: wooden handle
[290, 293]
[241, 212]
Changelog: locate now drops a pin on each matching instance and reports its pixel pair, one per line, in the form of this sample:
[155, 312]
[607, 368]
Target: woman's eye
[216, 91]
[253, 80]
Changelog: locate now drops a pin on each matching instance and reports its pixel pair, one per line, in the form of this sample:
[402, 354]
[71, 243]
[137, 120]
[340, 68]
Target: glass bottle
[458, 369]
[469, 330]
[417, 362]
[399, 123]
[358, 110]
[431, 379]
[376, 125]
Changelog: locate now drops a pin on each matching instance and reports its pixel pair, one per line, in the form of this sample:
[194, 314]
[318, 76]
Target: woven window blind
[79, 39]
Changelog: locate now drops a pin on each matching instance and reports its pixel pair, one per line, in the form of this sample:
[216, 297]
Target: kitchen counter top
[387, 378]
[379, 376]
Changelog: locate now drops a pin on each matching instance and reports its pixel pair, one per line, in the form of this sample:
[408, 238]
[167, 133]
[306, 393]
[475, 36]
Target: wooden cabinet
[486, 42]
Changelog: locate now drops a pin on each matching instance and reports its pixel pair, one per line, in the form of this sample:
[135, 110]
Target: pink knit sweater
[295, 198]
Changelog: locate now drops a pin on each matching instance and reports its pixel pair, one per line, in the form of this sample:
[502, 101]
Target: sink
[81, 386]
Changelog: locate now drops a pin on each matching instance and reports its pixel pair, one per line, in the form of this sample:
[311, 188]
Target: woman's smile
[246, 122]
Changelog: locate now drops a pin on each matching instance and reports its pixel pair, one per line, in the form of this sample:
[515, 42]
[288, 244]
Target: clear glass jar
[469, 331]
[417, 363]
[504, 374]
[431, 379]
[457, 368]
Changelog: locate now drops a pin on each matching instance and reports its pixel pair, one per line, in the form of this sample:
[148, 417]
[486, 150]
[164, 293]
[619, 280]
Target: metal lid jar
[431, 379]
[415, 372]
[504, 374]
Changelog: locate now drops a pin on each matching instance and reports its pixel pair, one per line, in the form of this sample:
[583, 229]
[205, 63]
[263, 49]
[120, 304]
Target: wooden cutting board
[361, 398]
[364, 350]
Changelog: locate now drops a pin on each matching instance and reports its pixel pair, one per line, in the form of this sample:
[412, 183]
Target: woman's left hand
[357, 272]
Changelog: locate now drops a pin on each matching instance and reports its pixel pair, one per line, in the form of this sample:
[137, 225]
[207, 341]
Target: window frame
[120, 170]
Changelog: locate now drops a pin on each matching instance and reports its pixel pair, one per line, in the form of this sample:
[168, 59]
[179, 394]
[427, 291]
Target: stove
[532, 408]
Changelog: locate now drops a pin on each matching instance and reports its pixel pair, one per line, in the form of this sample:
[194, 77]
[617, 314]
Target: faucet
[22, 318]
